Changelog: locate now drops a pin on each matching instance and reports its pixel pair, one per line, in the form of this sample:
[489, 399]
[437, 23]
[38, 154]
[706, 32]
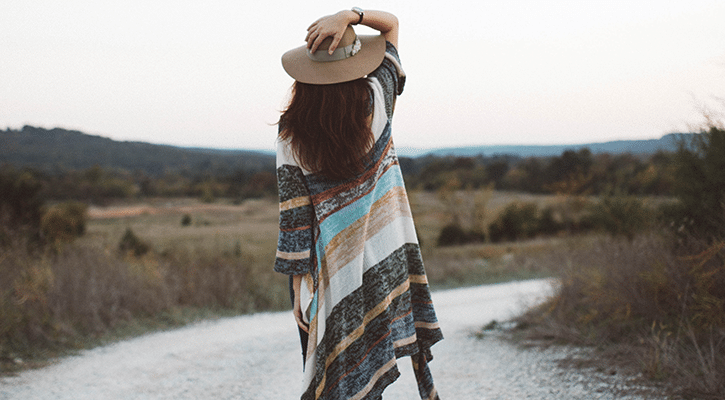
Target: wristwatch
[358, 11]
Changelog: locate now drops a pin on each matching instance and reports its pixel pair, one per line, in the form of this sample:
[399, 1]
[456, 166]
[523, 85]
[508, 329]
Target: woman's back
[363, 295]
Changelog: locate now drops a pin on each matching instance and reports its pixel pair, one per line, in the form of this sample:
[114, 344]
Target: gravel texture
[258, 357]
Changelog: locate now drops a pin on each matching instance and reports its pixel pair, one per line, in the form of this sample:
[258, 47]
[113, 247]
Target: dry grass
[60, 298]
[477, 264]
[220, 235]
[647, 304]
[222, 261]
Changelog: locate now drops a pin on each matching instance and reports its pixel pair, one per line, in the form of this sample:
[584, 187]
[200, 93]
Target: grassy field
[250, 229]
[219, 227]
[245, 232]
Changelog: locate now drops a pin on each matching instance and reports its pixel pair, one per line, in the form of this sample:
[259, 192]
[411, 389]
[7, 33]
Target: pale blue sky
[207, 74]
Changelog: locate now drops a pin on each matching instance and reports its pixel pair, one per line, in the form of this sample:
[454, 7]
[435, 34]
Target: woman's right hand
[330, 25]
[297, 307]
[334, 25]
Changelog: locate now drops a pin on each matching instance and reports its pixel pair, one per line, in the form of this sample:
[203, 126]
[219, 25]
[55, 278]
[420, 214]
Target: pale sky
[480, 72]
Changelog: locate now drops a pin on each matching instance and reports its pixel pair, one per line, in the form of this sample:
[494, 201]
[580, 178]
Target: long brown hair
[327, 127]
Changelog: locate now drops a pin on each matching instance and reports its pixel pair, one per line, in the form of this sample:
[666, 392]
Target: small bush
[517, 221]
[207, 195]
[548, 224]
[186, 220]
[21, 206]
[620, 216]
[132, 244]
[64, 222]
[452, 234]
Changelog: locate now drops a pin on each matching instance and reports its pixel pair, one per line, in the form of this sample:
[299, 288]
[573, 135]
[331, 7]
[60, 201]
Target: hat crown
[355, 57]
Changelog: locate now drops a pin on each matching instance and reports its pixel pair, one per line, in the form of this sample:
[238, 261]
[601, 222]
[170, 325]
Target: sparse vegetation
[660, 310]
[615, 215]
[655, 299]
[598, 222]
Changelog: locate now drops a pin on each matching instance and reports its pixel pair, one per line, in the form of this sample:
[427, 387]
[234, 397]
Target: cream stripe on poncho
[366, 294]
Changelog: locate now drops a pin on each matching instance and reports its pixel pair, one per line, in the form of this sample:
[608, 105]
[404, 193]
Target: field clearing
[250, 229]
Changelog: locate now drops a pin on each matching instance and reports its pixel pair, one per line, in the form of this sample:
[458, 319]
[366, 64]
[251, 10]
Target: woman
[347, 239]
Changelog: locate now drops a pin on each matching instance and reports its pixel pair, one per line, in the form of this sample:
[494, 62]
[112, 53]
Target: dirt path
[257, 357]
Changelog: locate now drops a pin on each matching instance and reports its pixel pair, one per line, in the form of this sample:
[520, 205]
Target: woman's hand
[334, 25]
[331, 25]
[297, 308]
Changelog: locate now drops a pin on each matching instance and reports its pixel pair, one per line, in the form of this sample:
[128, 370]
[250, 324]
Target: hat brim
[303, 69]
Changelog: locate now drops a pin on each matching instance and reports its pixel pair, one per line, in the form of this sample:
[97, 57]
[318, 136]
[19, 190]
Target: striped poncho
[364, 291]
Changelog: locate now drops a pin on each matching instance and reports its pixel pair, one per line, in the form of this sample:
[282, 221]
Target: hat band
[340, 53]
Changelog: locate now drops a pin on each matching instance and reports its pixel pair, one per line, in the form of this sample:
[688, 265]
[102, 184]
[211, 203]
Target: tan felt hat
[355, 57]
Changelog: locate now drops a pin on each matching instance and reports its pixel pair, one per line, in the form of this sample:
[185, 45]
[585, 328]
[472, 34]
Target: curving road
[257, 357]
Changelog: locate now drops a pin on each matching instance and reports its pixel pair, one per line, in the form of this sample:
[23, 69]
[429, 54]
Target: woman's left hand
[331, 25]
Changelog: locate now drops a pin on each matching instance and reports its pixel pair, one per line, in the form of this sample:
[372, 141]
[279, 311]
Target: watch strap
[360, 12]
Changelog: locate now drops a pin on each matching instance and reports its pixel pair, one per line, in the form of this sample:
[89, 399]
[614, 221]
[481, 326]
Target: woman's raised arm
[334, 25]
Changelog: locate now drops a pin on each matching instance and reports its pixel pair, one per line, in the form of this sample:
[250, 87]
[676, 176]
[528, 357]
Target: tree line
[572, 172]
[98, 185]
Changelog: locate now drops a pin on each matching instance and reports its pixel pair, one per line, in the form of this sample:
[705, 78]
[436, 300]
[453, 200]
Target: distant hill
[59, 149]
[667, 143]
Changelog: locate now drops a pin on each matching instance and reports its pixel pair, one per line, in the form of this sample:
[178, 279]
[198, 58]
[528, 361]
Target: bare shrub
[645, 294]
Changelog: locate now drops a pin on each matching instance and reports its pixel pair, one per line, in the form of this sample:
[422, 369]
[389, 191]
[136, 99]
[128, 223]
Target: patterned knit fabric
[365, 291]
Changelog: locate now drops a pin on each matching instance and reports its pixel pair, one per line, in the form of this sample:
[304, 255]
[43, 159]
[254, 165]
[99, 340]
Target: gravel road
[258, 357]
